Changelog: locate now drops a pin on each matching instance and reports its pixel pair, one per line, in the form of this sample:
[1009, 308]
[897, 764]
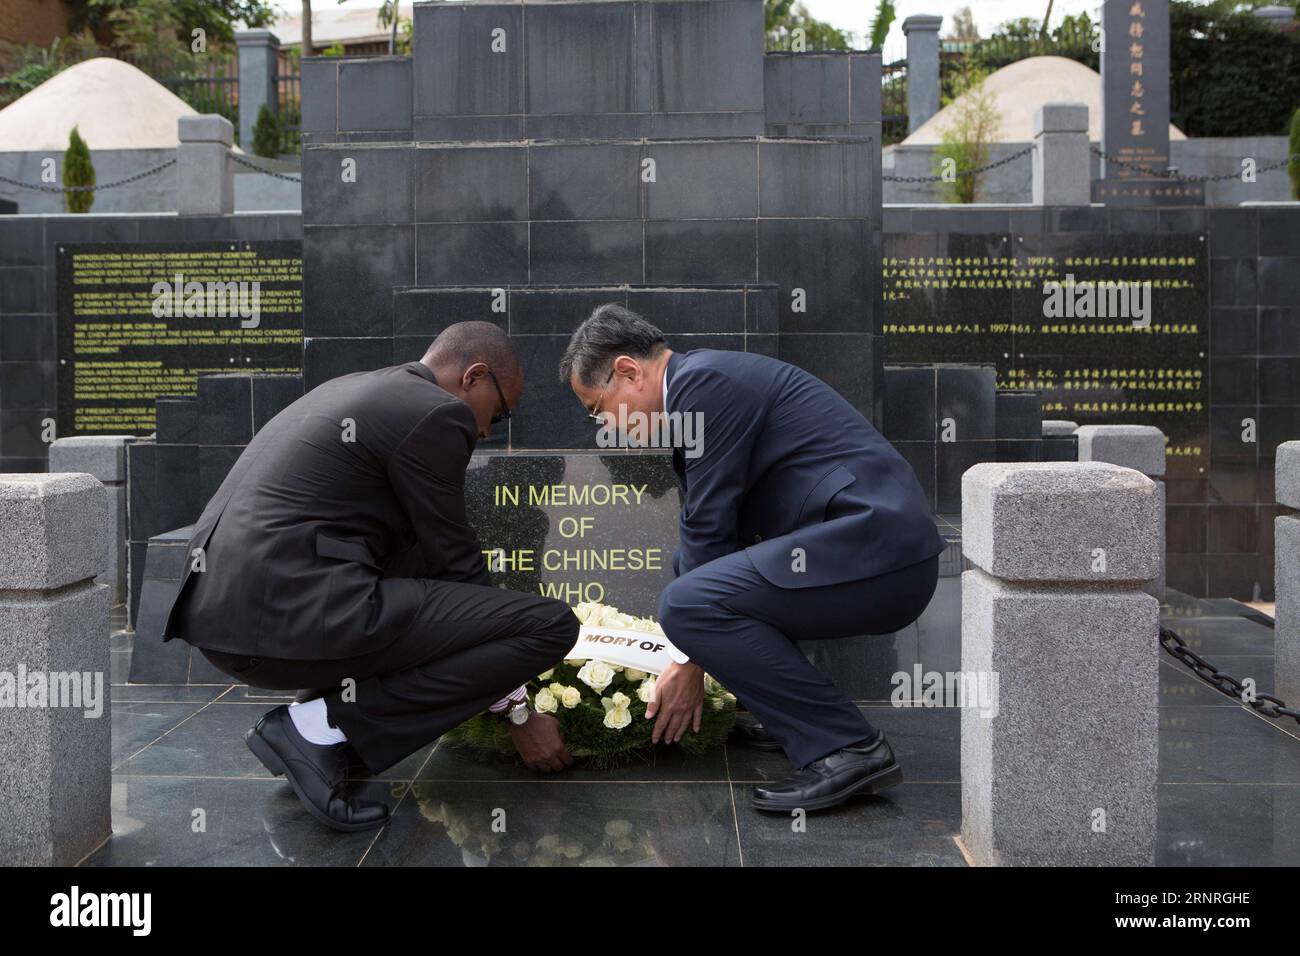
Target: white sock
[312, 722]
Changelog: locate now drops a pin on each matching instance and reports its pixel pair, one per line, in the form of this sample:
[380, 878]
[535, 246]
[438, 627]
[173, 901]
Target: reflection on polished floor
[1229, 781]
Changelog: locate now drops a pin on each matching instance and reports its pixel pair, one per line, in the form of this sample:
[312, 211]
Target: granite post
[55, 727]
[1286, 573]
[103, 456]
[922, 32]
[205, 173]
[1061, 768]
[1142, 448]
[259, 61]
[1058, 427]
[1062, 168]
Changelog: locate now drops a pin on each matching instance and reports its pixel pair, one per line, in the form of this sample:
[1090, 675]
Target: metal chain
[140, 175]
[1175, 175]
[268, 172]
[1266, 704]
[966, 172]
[87, 189]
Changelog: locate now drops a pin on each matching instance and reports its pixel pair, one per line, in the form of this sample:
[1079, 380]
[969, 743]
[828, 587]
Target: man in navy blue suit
[799, 521]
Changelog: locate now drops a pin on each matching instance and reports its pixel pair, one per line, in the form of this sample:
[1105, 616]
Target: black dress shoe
[315, 771]
[866, 767]
[750, 732]
[356, 767]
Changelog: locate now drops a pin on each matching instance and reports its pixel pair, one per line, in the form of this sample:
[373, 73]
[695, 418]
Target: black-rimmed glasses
[593, 412]
[502, 415]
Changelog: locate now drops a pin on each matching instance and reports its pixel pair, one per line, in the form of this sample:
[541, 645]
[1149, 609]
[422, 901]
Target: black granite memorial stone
[142, 321]
[561, 149]
[1135, 86]
[1135, 109]
[987, 298]
[942, 418]
[577, 527]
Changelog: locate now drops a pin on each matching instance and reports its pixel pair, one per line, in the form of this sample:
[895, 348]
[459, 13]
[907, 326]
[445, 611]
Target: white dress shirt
[674, 653]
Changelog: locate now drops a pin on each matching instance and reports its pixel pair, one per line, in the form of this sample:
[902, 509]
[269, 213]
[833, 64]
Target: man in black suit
[799, 521]
[337, 555]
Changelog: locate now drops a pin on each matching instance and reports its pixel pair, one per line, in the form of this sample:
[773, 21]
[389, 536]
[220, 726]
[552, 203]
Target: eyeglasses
[593, 412]
[502, 415]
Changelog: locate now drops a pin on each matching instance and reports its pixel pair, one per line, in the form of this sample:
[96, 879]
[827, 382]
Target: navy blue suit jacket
[792, 473]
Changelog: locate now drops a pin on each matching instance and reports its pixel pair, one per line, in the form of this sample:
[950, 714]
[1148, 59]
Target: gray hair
[610, 331]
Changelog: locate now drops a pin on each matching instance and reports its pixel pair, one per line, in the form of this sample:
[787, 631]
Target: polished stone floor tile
[1225, 635]
[405, 769]
[912, 824]
[1179, 605]
[211, 744]
[560, 824]
[204, 821]
[1241, 824]
[259, 695]
[136, 725]
[1229, 780]
[169, 693]
[1226, 745]
[926, 742]
[1178, 685]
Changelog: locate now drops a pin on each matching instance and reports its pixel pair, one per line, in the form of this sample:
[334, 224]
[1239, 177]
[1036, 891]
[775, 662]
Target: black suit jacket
[793, 474]
[298, 537]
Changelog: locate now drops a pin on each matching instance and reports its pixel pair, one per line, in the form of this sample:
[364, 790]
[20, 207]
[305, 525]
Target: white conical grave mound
[1019, 89]
[112, 104]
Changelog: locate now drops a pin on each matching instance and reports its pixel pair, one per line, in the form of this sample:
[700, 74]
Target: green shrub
[78, 170]
[966, 140]
[266, 133]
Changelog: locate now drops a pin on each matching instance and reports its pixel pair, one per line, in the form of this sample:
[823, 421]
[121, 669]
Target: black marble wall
[29, 250]
[1220, 511]
[574, 153]
[197, 442]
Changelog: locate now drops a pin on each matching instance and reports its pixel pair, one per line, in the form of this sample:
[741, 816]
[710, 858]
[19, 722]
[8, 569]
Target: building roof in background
[336, 24]
[1020, 88]
[112, 104]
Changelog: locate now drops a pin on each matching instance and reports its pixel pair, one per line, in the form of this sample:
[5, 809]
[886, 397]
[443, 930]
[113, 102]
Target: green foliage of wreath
[583, 725]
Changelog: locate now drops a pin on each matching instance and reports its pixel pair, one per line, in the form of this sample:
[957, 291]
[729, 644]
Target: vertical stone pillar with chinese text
[1135, 107]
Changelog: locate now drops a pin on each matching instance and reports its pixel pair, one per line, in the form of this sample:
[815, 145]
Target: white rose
[556, 689]
[547, 675]
[584, 610]
[646, 692]
[595, 615]
[616, 718]
[571, 697]
[633, 674]
[596, 675]
[544, 702]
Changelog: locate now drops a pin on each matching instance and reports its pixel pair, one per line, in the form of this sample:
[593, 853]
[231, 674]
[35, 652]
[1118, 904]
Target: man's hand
[540, 743]
[679, 702]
